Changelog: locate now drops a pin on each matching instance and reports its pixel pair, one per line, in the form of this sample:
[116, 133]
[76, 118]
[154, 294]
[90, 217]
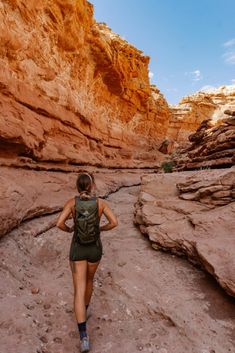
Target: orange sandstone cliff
[193, 110]
[72, 91]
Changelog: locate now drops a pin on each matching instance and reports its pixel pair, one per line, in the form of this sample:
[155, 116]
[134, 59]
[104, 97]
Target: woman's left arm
[67, 210]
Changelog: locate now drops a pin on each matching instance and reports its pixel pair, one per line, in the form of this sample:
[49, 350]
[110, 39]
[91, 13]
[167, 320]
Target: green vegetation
[167, 166]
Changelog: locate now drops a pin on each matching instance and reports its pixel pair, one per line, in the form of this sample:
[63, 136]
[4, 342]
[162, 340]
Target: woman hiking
[86, 247]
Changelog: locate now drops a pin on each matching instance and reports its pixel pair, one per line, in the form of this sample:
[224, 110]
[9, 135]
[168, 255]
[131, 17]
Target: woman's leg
[91, 269]
[79, 273]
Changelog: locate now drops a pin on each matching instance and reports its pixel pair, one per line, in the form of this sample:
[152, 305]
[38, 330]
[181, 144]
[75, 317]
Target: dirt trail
[144, 300]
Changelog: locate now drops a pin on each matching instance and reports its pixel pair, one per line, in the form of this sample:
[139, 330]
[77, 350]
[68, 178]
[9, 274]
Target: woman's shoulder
[102, 203]
[70, 202]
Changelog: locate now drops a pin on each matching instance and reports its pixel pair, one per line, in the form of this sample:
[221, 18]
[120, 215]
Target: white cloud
[233, 80]
[229, 43]
[151, 74]
[229, 57]
[195, 75]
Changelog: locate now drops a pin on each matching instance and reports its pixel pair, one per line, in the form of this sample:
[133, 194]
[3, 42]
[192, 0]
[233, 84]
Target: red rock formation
[211, 146]
[192, 214]
[192, 110]
[28, 194]
[73, 91]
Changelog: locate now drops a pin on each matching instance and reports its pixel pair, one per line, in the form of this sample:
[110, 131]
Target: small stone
[44, 350]
[38, 301]
[73, 334]
[44, 339]
[57, 340]
[35, 290]
[47, 306]
[68, 311]
[140, 347]
[29, 307]
[162, 350]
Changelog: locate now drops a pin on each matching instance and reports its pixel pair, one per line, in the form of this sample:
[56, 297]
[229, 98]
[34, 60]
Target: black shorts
[91, 252]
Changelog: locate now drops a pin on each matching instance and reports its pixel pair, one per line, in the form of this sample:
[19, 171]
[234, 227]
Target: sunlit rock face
[73, 91]
[192, 214]
[192, 110]
[211, 146]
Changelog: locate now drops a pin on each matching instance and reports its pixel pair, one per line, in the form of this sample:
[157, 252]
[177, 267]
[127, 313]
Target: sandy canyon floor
[144, 300]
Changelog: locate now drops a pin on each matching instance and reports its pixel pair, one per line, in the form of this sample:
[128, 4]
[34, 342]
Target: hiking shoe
[84, 345]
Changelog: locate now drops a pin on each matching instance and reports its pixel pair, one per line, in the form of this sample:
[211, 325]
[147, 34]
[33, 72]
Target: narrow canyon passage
[144, 300]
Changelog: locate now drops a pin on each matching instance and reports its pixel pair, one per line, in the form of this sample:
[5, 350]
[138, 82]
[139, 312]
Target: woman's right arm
[65, 214]
[112, 219]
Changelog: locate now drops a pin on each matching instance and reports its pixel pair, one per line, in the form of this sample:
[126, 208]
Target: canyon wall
[210, 146]
[192, 110]
[72, 91]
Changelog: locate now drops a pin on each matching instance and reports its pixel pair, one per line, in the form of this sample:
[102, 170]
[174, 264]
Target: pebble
[57, 340]
[68, 311]
[38, 301]
[49, 323]
[153, 335]
[140, 347]
[29, 307]
[47, 306]
[44, 350]
[35, 290]
[73, 334]
[162, 350]
[44, 339]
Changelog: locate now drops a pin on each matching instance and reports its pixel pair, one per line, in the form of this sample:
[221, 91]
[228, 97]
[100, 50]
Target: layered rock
[192, 110]
[73, 91]
[211, 146]
[192, 214]
[28, 194]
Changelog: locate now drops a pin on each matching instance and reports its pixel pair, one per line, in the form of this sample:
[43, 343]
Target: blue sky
[191, 43]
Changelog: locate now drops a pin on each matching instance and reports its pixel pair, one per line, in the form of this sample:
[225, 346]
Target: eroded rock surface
[192, 110]
[192, 214]
[27, 194]
[73, 91]
[144, 300]
[210, 146]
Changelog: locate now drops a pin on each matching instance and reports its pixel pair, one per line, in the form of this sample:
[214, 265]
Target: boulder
[192, 214]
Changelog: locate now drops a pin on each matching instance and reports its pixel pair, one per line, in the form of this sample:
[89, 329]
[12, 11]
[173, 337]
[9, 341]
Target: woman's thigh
[79, 274]
[91, 269]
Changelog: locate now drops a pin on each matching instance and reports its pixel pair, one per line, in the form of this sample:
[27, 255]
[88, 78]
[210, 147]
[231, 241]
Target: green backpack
[87, 222]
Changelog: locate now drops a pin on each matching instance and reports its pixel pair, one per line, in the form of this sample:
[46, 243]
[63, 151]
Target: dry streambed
[144, 300]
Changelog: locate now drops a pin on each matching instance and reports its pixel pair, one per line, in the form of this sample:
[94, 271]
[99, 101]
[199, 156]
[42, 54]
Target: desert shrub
[167, 166]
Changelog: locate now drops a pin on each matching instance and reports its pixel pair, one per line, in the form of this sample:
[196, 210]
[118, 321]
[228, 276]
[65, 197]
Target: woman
[86, 246]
